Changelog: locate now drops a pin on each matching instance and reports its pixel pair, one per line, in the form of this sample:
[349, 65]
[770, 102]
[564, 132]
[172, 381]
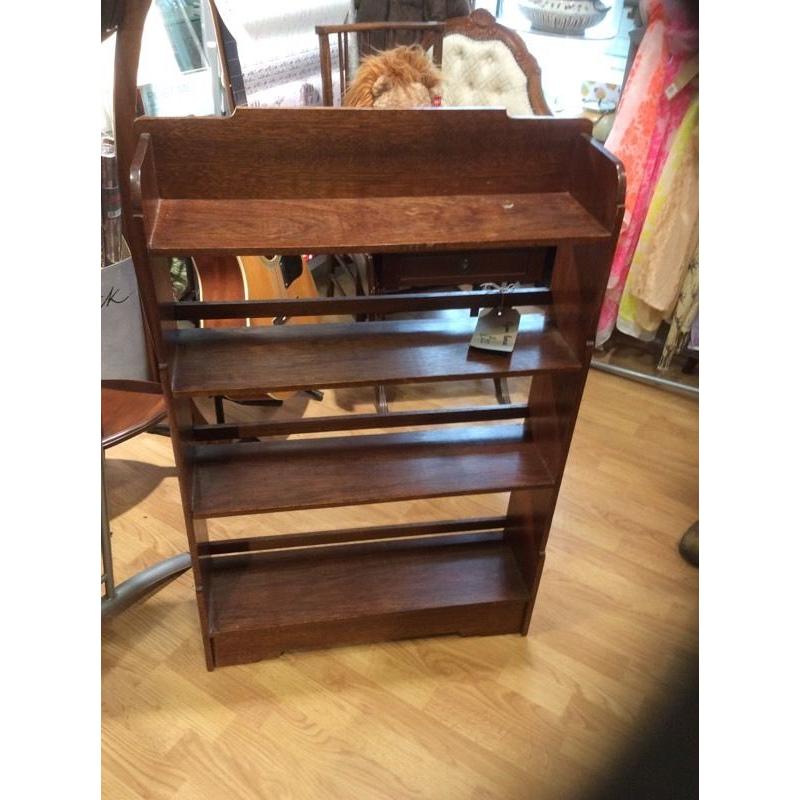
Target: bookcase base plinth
[262, 606]
[243, 648]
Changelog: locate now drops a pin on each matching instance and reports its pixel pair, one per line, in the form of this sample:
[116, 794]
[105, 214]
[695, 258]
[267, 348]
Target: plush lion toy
[402, 77]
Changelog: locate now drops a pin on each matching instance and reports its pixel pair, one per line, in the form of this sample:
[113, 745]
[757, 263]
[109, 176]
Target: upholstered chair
[486, 64]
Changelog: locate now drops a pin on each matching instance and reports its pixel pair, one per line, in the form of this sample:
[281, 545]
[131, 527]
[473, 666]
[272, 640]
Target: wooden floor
[501, 717]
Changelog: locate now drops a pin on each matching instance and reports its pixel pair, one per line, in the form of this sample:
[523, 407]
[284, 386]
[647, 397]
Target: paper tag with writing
[496, 330]
[686, 73]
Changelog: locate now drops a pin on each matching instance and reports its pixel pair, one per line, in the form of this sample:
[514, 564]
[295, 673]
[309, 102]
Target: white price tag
[496, 330]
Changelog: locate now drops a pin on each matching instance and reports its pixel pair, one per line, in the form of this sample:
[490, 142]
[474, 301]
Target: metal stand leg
[117, 598]
[105, 535]
[651, 380]
[381, 405]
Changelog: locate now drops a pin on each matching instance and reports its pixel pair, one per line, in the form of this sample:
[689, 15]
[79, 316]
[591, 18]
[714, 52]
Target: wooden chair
[129, 408]
[388, 34]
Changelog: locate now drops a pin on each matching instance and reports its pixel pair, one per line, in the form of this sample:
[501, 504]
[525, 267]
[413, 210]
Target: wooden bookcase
[320, 180]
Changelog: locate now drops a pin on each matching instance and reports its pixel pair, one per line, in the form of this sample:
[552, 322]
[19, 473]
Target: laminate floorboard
[506, 717]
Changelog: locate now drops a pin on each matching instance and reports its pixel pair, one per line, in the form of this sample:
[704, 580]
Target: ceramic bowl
[565, 17]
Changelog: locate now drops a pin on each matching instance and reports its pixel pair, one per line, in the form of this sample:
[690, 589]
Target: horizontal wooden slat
[376, 304]
[321, 538]
[251, 478]
[370, 224]
[245, 361]
[351, 422]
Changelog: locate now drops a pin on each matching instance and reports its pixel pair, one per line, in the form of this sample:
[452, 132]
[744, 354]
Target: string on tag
[503, 289]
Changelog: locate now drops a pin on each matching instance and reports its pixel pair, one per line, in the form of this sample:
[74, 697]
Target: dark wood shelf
[450, 222]
[258, 477]
[262, 605]
[271, 358]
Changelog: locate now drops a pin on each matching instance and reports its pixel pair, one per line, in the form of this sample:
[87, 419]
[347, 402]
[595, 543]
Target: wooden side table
[128, 409]
[395, 272]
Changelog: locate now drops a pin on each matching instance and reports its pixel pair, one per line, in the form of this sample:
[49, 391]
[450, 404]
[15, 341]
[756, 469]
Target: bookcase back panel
[334, 152]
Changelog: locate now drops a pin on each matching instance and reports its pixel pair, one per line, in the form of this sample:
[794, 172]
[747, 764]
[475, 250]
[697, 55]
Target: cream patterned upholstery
[483, 73]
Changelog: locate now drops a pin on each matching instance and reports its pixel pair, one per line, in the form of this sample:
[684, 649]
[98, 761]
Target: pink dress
[629, 140]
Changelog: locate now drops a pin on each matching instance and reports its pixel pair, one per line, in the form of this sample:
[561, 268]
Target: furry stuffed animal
[402, 77]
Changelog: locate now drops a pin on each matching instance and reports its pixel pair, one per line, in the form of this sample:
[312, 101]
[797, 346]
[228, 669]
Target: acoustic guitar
[234, 278]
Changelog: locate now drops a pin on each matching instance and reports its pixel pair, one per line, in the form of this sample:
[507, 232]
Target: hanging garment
[668, 239]
[694, 335]
[670, 114]
[685, 313]
[629, 140]
[644, 128]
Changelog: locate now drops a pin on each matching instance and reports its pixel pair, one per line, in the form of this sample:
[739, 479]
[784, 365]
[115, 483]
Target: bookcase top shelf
[332, 180]
[370, 224]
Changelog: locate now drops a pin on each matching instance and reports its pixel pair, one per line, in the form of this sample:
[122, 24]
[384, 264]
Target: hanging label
[497, 329]
[686, 73]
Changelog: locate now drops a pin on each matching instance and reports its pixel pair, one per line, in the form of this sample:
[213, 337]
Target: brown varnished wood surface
[591, 166]
[503, 717]
[128, 408]
[254, 592]
[543, 190]
[250, 478]
[336, 354]
[477, 619]
[370, 224]
[286, 154]
[579, 280]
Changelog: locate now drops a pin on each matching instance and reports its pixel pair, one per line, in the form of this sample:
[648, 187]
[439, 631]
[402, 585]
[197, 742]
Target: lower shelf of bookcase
[263, 605]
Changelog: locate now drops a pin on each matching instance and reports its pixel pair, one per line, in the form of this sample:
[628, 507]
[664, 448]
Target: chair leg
[219, 409]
